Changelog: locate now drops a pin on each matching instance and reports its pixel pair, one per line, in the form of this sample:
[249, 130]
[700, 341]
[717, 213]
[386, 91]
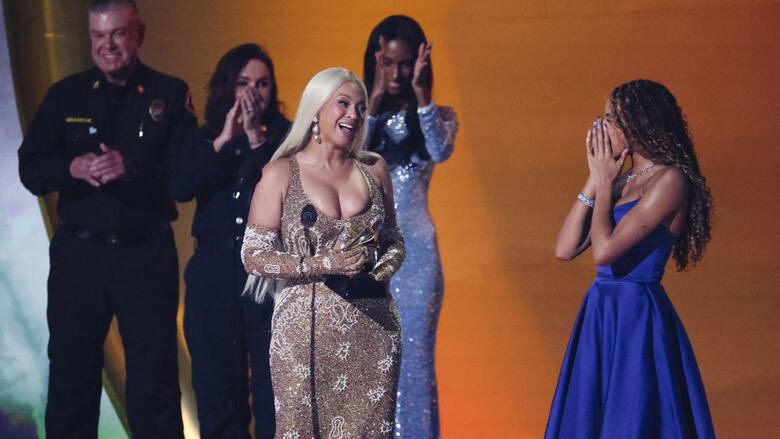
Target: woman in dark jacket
[219, 166]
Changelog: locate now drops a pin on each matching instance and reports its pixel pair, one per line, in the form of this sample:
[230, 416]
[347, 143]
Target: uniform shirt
[145, 120]
[222, 182]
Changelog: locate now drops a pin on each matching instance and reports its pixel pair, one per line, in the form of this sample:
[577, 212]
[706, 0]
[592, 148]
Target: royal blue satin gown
[418, 286]
[629, 370]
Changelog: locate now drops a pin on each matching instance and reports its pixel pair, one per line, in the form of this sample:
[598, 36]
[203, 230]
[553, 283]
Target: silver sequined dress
[418, 286]
[335, 356]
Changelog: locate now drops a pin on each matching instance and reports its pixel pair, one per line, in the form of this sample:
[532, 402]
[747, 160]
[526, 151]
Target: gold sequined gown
[335, 356]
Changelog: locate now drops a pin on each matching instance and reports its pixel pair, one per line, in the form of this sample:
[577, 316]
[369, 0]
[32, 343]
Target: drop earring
[315, 129]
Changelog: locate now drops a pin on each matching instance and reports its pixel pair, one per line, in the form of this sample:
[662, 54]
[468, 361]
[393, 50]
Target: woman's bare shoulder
[669, 186]
[277, 169]
[276, 175]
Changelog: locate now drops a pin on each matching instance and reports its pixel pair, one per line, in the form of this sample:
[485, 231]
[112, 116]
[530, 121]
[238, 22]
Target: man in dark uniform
[103, 138]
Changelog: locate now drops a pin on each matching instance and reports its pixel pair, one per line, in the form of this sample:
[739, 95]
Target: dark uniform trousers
[221, 329]
[89, 281]
[113, 253]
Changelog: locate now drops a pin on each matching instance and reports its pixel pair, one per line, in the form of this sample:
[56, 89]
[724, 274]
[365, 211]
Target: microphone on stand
[308, 218]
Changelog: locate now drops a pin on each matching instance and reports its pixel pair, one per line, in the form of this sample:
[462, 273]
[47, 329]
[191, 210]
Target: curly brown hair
[654, 125]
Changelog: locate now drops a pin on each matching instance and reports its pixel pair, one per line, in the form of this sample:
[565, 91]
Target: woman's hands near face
[244, 117]
[394, 70]
[381, 77]
[251, 109]
[420, 81]
[604, 168]
[231, 128]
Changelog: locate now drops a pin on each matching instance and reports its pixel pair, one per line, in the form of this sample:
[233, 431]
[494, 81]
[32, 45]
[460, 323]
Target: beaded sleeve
[393, 250]
[261, 255]
[439, 126]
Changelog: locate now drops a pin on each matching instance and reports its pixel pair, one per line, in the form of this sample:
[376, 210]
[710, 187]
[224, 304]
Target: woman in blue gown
[629, 369]
[412, 134]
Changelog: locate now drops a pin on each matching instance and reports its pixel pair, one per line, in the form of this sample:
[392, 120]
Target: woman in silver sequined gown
[335, 345]
[412, 134]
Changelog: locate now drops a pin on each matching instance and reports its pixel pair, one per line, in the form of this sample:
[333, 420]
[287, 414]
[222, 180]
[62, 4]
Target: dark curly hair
[654, 125]
[222, 85]
[406, 29]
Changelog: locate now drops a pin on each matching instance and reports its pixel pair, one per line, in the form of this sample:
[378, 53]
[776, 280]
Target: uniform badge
[96, 85]
[157, 109]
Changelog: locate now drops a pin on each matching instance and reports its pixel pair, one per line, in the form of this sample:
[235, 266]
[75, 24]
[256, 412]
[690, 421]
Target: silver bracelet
[585, 200]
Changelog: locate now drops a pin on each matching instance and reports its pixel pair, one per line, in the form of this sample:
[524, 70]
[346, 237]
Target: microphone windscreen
[308, 216]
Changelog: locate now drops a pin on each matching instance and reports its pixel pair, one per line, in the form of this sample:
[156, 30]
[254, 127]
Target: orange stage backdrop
[527, 78]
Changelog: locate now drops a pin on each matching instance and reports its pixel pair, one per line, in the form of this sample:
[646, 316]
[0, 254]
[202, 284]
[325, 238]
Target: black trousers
[225, 332]
[89, 282]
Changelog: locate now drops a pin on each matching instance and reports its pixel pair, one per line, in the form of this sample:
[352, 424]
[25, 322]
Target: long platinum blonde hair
[317, 92]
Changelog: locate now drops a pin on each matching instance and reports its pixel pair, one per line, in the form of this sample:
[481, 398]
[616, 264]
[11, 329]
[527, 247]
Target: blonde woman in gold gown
[322, 221]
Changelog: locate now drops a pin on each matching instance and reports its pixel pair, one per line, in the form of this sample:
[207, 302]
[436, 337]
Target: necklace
[631, 175]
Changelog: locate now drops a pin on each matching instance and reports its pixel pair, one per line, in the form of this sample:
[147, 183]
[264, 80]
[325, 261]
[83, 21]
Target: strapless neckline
[628, 205]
